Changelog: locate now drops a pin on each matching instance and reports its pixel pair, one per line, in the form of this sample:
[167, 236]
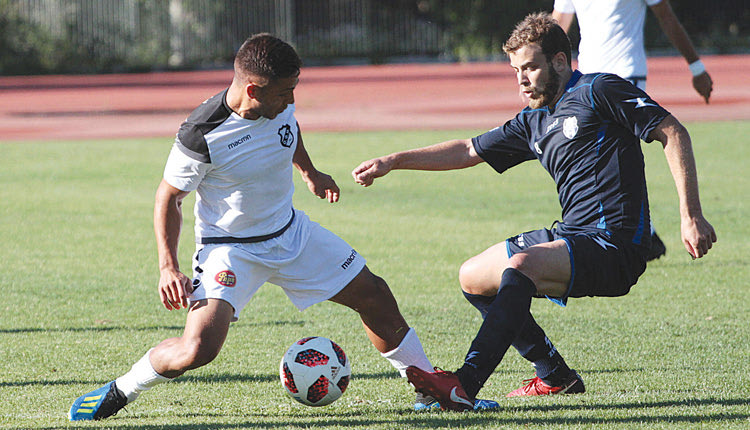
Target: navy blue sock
[482, 303]
[505, 318]
[536, 347]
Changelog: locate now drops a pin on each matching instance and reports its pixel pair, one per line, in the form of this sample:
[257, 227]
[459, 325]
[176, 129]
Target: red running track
[388, 97]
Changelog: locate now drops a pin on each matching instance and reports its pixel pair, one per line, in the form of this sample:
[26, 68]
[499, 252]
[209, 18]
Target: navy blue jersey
[590, 145]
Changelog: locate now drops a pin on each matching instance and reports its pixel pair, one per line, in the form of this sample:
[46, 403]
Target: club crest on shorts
[570, 127]
[286, 136]
[226, 278]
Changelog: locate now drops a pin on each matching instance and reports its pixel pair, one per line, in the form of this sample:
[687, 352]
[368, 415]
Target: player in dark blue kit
[586, 131]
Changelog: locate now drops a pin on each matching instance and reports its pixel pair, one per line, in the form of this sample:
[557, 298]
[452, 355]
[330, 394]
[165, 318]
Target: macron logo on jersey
[640, 102]
[239, 141]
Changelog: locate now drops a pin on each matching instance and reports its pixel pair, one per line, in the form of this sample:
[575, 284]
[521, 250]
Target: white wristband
[697, 67]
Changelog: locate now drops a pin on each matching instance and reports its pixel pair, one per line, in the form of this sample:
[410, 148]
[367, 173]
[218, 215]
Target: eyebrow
[525, 64]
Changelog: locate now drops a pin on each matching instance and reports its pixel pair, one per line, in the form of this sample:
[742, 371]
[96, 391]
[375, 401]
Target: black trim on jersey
[252, 239]
[205, 118]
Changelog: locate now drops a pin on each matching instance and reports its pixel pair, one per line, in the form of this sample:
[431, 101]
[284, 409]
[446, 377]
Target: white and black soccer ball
[315, 371]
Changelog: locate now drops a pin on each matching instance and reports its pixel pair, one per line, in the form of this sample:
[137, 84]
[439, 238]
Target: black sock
[482, 303]
[505, 318]
[553, 371]
[536, 347]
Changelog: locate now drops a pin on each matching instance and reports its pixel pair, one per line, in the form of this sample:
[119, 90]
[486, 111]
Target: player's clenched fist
[366, 172]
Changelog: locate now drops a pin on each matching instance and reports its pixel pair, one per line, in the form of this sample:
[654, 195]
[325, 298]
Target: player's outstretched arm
[174, 286]
[678, 36]
[698, 235]
[319, 183]
[453, 154]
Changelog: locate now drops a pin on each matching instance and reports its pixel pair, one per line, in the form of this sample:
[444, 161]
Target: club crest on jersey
[285, 133]
[570, 127]
[226, 278]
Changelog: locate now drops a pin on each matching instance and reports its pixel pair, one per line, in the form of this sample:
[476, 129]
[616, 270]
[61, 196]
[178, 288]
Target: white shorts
[309, 262]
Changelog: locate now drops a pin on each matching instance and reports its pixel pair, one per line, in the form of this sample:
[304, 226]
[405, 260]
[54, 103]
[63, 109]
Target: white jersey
[611, 35]
[241, 170]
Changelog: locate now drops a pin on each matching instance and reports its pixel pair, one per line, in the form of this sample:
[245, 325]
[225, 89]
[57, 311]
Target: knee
[195, 353]
[470, 276]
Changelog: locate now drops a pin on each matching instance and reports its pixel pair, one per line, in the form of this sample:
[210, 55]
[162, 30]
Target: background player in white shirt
[236, 150]
[612, 42]
[612, 38]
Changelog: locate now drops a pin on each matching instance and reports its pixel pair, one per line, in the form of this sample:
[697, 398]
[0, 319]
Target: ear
[560, 62]
[252, 90]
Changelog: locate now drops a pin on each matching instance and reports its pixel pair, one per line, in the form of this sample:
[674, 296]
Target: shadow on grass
[189, 379]
[354, 419]
[105, 328]
[226, 377]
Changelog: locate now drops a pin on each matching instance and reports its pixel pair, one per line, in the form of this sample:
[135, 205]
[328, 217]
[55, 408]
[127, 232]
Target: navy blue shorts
[601, 265]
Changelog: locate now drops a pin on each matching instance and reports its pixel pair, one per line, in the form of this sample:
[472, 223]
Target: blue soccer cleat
[426, 403]
[101, 403]
[484, 404]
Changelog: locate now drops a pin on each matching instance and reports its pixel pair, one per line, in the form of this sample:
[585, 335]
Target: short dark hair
[542, 29]
[267, 56]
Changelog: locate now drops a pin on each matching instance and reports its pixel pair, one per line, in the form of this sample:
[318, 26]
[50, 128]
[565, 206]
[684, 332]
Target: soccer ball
[315, 371]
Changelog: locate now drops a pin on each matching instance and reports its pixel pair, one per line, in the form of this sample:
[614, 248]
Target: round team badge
[226, 278]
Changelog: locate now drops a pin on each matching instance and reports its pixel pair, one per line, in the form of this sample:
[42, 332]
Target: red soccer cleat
[537, 387]
[443, 386]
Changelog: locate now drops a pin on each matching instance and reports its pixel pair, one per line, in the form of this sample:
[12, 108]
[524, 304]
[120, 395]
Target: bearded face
[538, 81]
[548, 92]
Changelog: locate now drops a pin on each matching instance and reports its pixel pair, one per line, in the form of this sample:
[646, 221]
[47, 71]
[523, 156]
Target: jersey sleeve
[184, 172]
[505, 146]
[622, 102]
[564, 6]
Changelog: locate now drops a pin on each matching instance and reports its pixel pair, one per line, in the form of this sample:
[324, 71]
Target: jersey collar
[571, 82]
[573, 79]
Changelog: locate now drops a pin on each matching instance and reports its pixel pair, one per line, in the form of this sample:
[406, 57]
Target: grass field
[78, 279]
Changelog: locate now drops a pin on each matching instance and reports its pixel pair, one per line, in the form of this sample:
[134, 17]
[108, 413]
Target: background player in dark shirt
[586, 131]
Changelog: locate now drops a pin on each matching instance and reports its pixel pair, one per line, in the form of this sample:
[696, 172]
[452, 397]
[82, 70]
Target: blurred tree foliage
[478, 28]
[77, 37]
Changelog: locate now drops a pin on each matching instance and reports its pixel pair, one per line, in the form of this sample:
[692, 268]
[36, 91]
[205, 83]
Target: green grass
[78, 285]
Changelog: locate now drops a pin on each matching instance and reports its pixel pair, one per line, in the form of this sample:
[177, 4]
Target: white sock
[408, 353]
[141, 377]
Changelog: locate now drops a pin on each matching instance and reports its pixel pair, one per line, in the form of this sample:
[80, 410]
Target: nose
[522, 78]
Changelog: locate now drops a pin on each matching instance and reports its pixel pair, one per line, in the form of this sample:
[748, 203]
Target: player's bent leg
[205, 331]
[480, 275]
[371, 298]
[547, 265]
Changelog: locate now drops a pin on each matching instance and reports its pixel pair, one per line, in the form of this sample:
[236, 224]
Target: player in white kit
[612, 38]
[236, 151]
[612, 42]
